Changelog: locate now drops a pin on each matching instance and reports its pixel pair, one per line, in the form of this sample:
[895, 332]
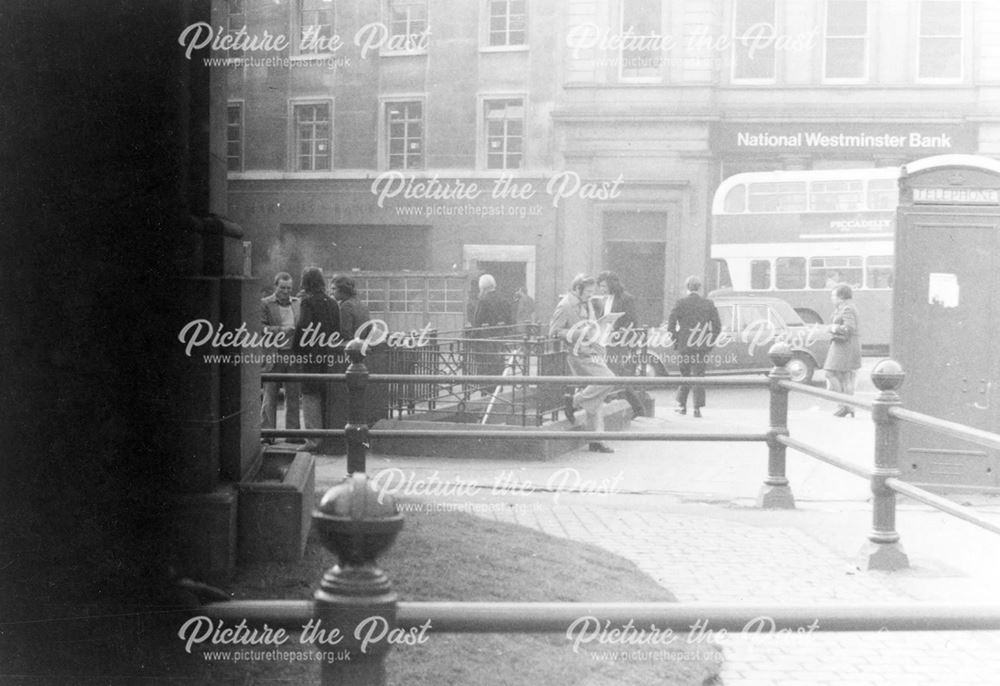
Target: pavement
[685, 514]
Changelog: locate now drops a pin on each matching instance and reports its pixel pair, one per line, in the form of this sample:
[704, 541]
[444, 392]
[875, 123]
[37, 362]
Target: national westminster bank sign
[919, 139]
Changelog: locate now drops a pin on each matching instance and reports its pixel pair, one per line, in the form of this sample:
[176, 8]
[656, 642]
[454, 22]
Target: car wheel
[655, 368]
[809, 316]
[801, 367]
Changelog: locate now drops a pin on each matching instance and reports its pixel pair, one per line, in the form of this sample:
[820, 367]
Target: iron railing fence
[358, 532]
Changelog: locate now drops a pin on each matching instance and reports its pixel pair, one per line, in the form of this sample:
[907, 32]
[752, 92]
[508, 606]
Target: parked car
[750, 326]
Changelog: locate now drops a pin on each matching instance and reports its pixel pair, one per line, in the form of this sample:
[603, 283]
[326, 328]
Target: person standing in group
[621, 359]
[843, 359]
[491, 310]
[524, 307]
[321, 313]
[694, 324]
[279, 313]
[583, 357]
[353, 312]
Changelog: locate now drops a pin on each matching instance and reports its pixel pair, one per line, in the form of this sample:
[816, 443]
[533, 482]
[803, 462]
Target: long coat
[691, 312]
[322, 310]
[845, 354]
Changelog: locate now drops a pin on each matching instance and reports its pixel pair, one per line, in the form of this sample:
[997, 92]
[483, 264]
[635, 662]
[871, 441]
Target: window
[754, 315]
[405, 126]
[406, 295]
[940, 54]
[846, 56]
[879, 271]
[407, 25]
[236, 19]
[316, 24]
[504, 132]
[760, 275]
[736, 199]
[312, 137]
[782, 196]
[640, 19]
[836, 196]
[507, 23]
[883, 194]
[234, 137]
[790, 273]
[825, 273]
[446, 295]
[371, 291]
[726, 317]
[754, 29]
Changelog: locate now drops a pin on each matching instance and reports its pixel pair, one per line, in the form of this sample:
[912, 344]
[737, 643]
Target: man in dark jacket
[694, 324]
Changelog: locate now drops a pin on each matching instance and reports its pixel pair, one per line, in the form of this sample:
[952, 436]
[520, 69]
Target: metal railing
[433, 375]
[358, 524]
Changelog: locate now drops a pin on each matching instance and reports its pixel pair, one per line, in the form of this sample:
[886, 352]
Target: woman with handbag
[843, 360]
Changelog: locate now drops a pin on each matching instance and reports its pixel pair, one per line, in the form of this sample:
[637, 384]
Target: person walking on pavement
[843, 359]
[279, 313]
[353, 312]
[321, 313]
[694, 324]
[574, 320]
[621, 359]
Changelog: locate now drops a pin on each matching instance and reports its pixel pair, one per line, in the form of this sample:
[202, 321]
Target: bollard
[355, 599]
[356, 430]
[776, 494]
[883, 550]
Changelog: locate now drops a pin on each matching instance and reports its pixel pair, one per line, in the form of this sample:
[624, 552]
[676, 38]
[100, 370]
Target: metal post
[776, 494]
[883, 550]
[356, 430]
[355, 600]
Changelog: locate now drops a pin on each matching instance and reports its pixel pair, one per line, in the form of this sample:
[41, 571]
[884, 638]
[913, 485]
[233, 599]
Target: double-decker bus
[796, 234]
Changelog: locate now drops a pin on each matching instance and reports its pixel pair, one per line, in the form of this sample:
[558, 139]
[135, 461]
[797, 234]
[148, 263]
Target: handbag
[838, 334]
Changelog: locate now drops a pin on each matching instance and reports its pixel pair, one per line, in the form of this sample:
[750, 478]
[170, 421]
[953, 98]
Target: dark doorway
[508, 275]
[640, 265]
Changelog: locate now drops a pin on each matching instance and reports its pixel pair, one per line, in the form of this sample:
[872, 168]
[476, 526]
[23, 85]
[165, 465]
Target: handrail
[943, 504]
[953, 429]
[559, 617]
[823, 393]
[727, 381]
[541, 434]
[824, 456]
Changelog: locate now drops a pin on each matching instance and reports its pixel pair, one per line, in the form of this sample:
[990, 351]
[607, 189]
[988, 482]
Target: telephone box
[946, 315]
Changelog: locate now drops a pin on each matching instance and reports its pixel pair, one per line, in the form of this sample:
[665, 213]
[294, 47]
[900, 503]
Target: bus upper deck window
[736, 199]
[778, 196]
[760, 275]
[836, 195]
[883, 194]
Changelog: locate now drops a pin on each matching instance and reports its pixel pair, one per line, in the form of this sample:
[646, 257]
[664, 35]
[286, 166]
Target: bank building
[420, 143]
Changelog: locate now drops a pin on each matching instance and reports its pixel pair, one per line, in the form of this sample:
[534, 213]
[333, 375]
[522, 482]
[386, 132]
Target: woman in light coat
[843, 360]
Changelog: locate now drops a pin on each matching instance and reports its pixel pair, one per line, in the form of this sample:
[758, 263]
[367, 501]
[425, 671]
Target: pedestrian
[574, 320]
[524, 307]
[279, 314]
[843, 359]
[491, 310]
[353, 312]
[621, 359]
[321, 316]
[695, 326]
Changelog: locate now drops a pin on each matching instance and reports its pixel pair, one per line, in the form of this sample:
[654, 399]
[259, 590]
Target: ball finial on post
[888, 375]
[780, 354]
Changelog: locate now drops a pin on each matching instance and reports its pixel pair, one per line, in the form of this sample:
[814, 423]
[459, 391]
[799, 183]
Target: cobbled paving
[714, 560]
